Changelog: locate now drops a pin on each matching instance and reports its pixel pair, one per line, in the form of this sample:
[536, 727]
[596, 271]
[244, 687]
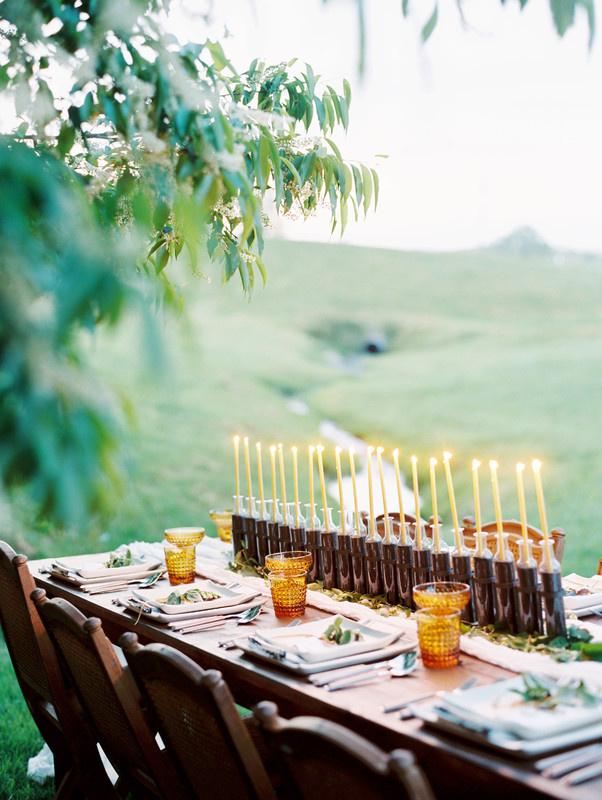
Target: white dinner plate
[156, 596]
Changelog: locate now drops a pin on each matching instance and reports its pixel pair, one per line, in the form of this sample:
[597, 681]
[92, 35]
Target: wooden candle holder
[263, 542]
[358, 562]
[313, 539]
[405, 574]
[284, 537]
[329, 558]
[238, 537]
[552, 595]
[249, 525]
[442, 565]
[344, 563]
[423, 565]
[462, 572]
[374, 557]
[505, 594]
[529, 614]
[273, 537]
[390, 569]
[298, 538]
[483, 582]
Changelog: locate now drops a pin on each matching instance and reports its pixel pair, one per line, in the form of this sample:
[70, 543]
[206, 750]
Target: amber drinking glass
[180, 553]
[288, 593]
[292, 561]
[442, 597]
[439, 638]
[223, 524]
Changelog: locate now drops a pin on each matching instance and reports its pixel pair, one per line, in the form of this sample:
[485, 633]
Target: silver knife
[583, 775]
[568, 762]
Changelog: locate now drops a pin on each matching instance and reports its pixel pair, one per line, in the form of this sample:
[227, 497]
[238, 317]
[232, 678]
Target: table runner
[213, 557]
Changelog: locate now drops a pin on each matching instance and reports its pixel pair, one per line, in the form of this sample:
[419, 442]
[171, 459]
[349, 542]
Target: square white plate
[98, 569]
[496, 706]
[304, 641]
[152, 614]
[156, 596]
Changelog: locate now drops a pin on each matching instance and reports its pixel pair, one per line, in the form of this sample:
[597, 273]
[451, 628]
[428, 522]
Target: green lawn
[492, 355]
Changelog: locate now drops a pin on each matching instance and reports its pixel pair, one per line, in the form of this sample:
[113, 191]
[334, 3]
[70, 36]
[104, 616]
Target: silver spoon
[398, 667]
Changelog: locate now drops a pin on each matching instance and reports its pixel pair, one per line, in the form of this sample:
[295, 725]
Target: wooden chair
[110, 698]
[51, 702]
[513, 527]
[198, 721]
[600, 567]
[324, 759]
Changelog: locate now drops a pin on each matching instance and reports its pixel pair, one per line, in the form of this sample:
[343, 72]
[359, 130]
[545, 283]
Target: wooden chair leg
[69, 787]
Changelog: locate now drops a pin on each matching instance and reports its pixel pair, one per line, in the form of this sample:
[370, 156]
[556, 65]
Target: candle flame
[352, 451]
[396, 453]
[272, 448]
[447, 455]
[320, 448]
[338, 450]
[520, 467]
[476, 463]
[380, 451]
[236, 439]
[369, 449]
[294, 450]
[246, 440]
[311, 448]
[413, 459]
[493, 465]
[536, 464]
[433, 462]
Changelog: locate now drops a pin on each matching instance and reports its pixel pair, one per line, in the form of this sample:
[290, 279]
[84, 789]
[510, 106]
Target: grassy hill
[490, 354]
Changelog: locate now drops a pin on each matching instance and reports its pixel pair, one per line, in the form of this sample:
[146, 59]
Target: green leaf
[293, 170]
[359, 189]
[264, 160]
[376, 181]
[367, 183]
[430, 25]
[335, 149]
[66, 139]
[347, 91]
[588, 5]
[563, 14]
[405, 7]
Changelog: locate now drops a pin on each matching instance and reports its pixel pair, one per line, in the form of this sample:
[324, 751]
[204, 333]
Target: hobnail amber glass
[442, 597]
[293, 561]
[439, 638]
[288, 593]
[180, 553]
[223, 524]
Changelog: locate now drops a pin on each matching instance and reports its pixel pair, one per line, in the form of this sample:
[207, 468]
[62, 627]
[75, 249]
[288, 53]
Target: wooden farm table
[455, 769]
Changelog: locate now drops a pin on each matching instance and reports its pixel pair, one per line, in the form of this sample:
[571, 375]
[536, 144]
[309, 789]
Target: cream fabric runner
[213, 557]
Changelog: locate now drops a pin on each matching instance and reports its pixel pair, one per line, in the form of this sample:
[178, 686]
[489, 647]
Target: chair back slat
[26, 639]
[513, 528]
[198, 721]
[324, 759]
[107, 693]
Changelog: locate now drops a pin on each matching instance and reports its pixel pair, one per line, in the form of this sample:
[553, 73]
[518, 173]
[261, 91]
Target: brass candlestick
[483, 582]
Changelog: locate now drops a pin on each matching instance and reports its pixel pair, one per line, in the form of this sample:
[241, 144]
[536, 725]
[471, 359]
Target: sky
[486, 129]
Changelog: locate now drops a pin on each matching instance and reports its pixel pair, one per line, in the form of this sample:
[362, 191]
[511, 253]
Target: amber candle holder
[505, 591]
[223, 523]
[462, 572]
[552, 595]
[289, 561]
[483, 584]
[529, 616]
[439, 638]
